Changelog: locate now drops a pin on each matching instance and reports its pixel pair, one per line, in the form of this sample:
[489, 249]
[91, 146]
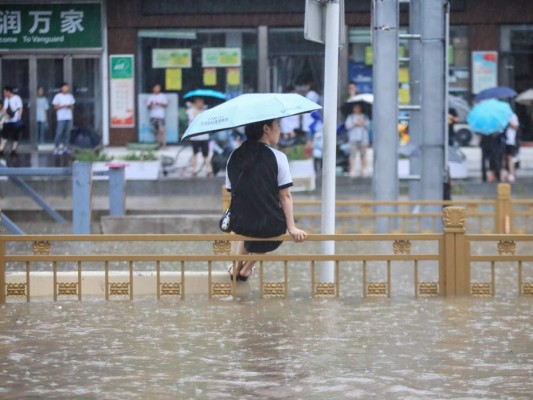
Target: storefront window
[360, 60]
[459, 62]
[516, 70]
[294, 60]
[192, 73]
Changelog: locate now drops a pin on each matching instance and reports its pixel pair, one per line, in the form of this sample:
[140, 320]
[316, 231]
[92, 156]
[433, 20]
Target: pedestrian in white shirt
[511, 146]
[12, 110]
[157, 104]
[42, 114]
[63, 103]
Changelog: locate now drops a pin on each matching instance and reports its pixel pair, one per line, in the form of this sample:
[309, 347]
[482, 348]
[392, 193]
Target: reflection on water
[296, 348]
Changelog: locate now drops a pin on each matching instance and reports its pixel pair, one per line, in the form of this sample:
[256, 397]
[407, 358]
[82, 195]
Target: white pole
[331, 72]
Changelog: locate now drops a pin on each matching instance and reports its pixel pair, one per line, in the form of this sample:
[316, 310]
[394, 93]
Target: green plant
[91, 156]
[140, 156]
[295, 153]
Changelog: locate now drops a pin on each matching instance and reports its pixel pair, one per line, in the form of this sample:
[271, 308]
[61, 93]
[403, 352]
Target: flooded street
[250, 348]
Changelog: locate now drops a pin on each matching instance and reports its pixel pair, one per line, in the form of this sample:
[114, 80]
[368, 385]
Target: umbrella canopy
[205, 93]
[489, 116]
[248, 108]
[500, 92]
[525, 98]
[365, 100]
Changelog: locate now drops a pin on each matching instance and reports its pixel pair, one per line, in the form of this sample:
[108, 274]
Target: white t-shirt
[307, 120]
[192, 112]
[357, 133]
[157, 103]
[42, 108]
[15, 104]
[60, 99]
[510, 133]
[289, 124]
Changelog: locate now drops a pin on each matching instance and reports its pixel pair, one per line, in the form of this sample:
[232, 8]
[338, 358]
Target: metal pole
[38, 199]
[10, 225]
[385, 111]
[433, 97]
[81, 198]
[331, 72]
[415, 118]
[117, 190]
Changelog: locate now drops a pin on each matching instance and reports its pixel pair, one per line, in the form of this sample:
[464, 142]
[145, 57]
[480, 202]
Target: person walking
[511, 146]
[63, 103]
[12, 110]
[259, 179]
[157, 104]
[42, 114]
[357, 127]
[200, 143]
[352, 90]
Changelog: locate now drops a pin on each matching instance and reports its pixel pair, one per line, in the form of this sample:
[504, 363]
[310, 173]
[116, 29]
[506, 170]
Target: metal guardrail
[501, 215]
[453, 252]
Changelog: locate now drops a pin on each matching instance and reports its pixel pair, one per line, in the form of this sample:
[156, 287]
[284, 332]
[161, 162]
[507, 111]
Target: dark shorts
[511, 150]
[156, 124]
[200, 146]
[261, 247]
[11, 131]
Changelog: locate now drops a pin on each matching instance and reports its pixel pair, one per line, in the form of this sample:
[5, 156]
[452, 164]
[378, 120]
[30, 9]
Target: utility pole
[415, 117]
[385, 24]
[433, 94]
[323, 24]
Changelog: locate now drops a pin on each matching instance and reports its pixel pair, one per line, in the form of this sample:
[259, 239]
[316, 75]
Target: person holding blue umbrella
[490, 118]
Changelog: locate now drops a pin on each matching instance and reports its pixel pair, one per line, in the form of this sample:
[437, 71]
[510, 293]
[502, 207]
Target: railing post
[455, 269]
[117, 190]
[2, 272]
[81, 198]
[504, 209]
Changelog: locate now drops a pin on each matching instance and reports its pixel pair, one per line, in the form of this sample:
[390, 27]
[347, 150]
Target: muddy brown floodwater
[298, 348]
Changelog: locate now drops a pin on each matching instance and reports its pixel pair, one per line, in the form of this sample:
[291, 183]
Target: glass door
[50, 75]
[15, 73]
[86, 89]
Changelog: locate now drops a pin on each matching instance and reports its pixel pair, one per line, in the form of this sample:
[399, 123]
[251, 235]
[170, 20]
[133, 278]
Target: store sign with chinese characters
[50, 26]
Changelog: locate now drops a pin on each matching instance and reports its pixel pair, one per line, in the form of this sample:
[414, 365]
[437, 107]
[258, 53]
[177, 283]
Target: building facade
[255, 47]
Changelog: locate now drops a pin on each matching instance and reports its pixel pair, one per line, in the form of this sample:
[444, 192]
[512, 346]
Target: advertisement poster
[484, 70]
[171, 119]
[171, 58]
[173, 79]
[210, 76]
[233, 76]
[221, 57]
[122, 91]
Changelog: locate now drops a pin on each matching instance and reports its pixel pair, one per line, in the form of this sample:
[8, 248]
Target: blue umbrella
[489, 116]
[500, 92]
[205, 93]
[248, 108]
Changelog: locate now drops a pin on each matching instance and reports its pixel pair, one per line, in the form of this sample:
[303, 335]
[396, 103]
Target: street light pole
[331, 73]
[385, 23]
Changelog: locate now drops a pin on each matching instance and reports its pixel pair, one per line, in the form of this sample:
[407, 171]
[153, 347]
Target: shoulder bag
[225, 221]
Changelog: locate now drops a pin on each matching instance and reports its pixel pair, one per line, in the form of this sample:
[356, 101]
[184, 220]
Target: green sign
[50, 26]
[121, 67]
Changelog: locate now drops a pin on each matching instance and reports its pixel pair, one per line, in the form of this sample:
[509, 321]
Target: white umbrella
[525, 98]
[249, 108]
[364, 97]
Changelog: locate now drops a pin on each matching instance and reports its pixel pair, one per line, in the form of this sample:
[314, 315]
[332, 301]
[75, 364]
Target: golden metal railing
[453, 254]
[501, 215]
